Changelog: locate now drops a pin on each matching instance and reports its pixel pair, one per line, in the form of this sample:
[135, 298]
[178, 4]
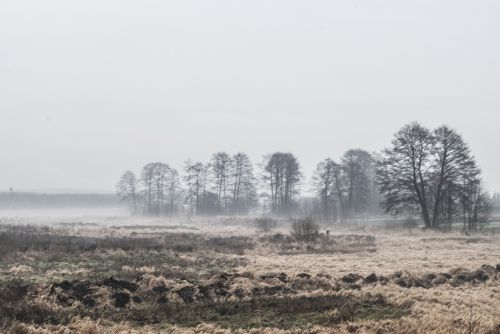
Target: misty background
[90, 88]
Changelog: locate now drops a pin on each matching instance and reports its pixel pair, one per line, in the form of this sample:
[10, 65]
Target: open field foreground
[131, 275]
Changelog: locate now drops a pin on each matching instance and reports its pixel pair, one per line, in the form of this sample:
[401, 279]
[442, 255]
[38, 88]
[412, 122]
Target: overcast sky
[90, 88]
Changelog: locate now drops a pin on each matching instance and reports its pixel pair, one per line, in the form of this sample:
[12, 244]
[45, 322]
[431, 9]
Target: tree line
[346, 189]
[224, 185]
[430, 173]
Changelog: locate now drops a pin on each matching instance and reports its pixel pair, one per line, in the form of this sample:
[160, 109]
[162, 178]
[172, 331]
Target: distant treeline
[30, 200]
[426, 173]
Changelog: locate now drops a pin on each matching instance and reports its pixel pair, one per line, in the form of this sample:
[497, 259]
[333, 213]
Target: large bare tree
[436, 172]
[404, 171]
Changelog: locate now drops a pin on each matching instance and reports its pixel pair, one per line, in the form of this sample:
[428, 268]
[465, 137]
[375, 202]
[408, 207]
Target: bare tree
[403, 171]
[220, 166]
[159, 183]
[476, 204]
[243, 183]
[172, 187]
[282, 175]
[358, 169]
[436, 172]
[452, 157]
[147, 180]
[194, 177]
[126, 189]
[323, 183]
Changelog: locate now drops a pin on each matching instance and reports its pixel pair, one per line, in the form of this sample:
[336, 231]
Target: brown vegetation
[141, 279]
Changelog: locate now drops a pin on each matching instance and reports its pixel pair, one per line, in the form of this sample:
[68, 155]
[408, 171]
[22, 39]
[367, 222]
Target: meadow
[119, 274]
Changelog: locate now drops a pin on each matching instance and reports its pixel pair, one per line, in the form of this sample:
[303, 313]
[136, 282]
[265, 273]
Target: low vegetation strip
[22, 238]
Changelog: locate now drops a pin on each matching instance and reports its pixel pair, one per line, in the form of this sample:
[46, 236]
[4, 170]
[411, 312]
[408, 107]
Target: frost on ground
[222, 275]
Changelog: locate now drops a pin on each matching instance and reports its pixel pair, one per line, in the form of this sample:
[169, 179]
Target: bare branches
[282, 177]
[160, 185]
[126, 190]
[434, 171]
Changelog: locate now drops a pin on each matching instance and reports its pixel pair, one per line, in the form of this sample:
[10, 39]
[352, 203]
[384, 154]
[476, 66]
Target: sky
[91, 88]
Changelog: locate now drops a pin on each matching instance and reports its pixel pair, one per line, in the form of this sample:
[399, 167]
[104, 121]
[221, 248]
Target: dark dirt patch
[370, 279]
[187, 294]
[352, 278]
[304, 275]
[121, 299]
[13, 291]
[120, 284]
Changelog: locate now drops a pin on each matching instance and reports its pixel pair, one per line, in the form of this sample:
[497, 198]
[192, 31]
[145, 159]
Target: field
[103, 274]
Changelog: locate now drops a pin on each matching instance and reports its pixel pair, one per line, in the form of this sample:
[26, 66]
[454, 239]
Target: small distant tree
[359, 176]
[476, 205]
[324, 185]
[160, 184]
[346, 190]
[126, 190]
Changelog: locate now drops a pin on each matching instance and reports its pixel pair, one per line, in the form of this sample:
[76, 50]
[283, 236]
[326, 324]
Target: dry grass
[224, 276]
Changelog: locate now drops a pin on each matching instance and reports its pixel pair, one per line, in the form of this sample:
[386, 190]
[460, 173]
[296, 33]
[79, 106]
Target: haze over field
[88, 88]
[245, 167]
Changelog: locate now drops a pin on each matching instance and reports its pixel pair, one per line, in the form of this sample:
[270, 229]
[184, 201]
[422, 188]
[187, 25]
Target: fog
[91, 88]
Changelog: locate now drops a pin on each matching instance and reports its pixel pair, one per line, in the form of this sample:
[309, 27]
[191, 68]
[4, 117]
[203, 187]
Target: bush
[305, 229]
[265, 224]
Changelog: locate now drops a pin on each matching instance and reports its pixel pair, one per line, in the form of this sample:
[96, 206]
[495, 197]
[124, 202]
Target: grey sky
[90, 88]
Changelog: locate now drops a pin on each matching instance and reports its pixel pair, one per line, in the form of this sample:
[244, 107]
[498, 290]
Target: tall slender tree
[243, 183]
[194, 180]
[323, 183]
[220, 168]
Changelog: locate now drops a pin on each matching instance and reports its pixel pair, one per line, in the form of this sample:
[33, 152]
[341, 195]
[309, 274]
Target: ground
[99, 274]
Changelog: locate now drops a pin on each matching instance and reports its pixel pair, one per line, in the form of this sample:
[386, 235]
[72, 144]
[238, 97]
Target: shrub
[265, 224]
[305, 229]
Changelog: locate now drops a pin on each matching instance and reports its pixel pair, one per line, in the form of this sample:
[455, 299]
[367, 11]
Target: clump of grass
[305, 229]
[265, 224]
